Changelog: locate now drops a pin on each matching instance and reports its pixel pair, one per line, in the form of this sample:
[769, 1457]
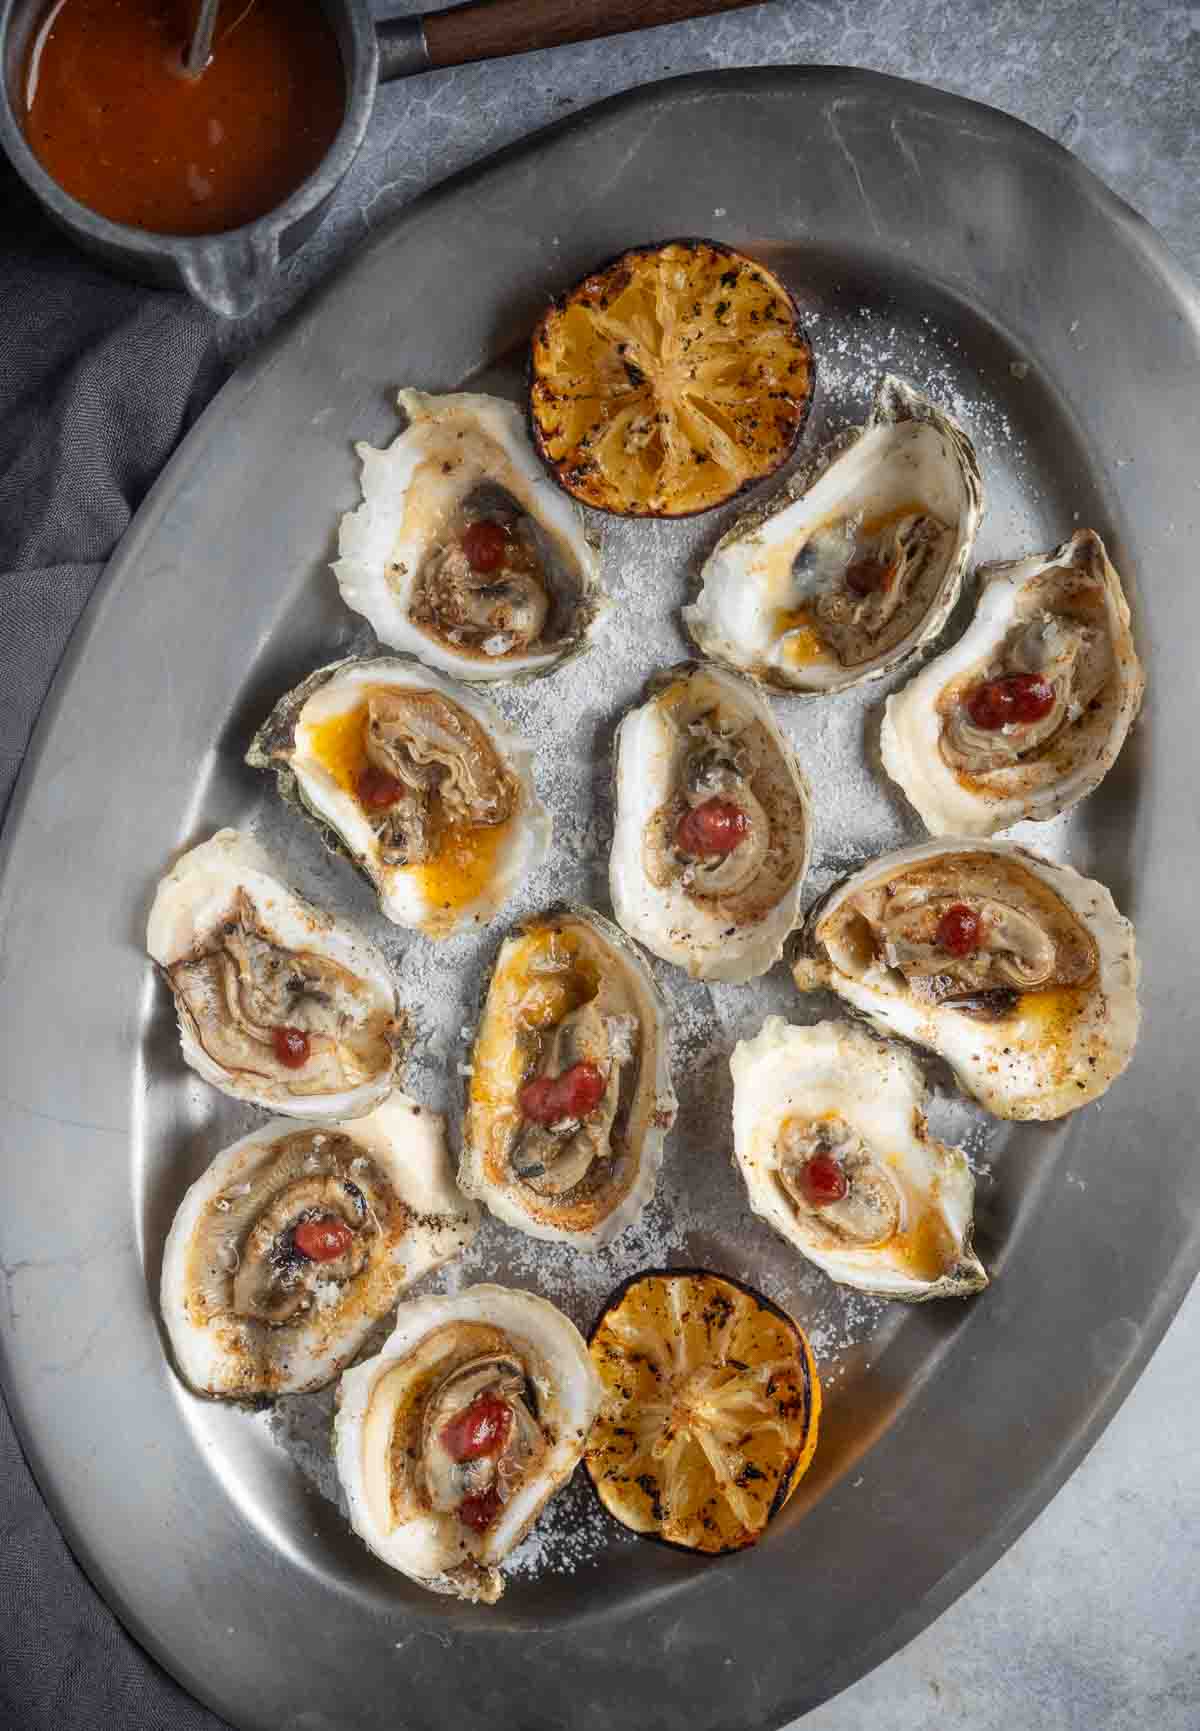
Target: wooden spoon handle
[491, 29]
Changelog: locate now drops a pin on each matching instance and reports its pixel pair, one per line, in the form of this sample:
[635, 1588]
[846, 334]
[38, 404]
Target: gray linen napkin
[98, 380]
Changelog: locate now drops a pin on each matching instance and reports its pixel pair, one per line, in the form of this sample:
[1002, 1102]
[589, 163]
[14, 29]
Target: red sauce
[485, 545]
[550, 1099]
[478, 1512]
[716, 827]
[479, 1429]
[111, 115]
[291, 1046]
[1019, 697]
[960, 930]
[322, 1240]
[868, 576]
[378, 790]
[822, 1180]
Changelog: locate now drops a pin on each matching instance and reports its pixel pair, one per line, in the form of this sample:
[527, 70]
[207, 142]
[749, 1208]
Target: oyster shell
[858, 562]
[279, 1003]
[462, 460]
[247, 1310]
[885, 1208]
[492, 1370]
[1057, 618]
[1029, 990]
[417, 780]
[712, 836]
[568, 994]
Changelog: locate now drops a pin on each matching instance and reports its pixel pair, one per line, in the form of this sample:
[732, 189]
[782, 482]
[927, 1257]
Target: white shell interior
[451, 445]
[404, 895]
[408, 1143]
[568, 1390]
[950, 803]
[1035, 1064]
[835, 1067]
[747, 580]
[648, 754]
[193, 899]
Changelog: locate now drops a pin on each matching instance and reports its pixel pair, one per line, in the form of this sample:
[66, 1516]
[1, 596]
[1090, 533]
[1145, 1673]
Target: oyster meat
[859, 562]
[417, 780]
[301, 1236]
[463, 551]
[569, 1099]
[450, 1443]
[830, 1137]
[278, 1003]
[712, 836]
[1027, 712]
[1019, 972]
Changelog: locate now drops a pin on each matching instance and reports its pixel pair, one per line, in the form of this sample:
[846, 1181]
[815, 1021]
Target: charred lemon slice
[670, 380]
[710, 1409]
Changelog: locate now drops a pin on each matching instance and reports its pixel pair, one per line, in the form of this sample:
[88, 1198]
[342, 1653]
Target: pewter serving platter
[922, 234]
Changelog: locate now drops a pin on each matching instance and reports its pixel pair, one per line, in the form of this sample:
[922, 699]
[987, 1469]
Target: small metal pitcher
[232, 271]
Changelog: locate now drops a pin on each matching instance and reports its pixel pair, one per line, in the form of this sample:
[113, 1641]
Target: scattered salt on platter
[699, 1216]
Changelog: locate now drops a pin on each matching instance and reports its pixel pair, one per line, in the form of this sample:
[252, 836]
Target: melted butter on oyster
[419, 766]
[464, 552]
[830, 1138]
[1020, 972]
[298, 1238]
[417, 780]
[857, 563]
[569, 1099]
[712, 833]
[278, 1003]
[450, 1442]
[1026, 713]
[858, 585]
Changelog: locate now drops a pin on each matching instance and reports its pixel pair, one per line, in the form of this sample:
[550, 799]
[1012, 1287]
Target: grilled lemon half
[670, 380]
[710, 1409]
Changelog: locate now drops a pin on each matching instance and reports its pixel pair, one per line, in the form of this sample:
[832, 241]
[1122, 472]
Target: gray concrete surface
[1092, 1621]
[1117, 82]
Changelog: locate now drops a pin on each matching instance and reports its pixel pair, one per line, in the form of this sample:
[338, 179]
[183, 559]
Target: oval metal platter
[924, 235]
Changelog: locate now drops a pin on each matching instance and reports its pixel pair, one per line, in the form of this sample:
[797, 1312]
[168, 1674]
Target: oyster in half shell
[463, 551]
[712, 836]
[1020, 973]
[417, 780]
[858, 563]
[1026, 713]
[279, 1003]
[301, 1236]
[569, 1100]
[829, 1134]
[450, 1443]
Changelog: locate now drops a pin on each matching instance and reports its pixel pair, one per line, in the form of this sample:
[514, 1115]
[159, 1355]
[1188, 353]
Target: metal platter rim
[781, 1697]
